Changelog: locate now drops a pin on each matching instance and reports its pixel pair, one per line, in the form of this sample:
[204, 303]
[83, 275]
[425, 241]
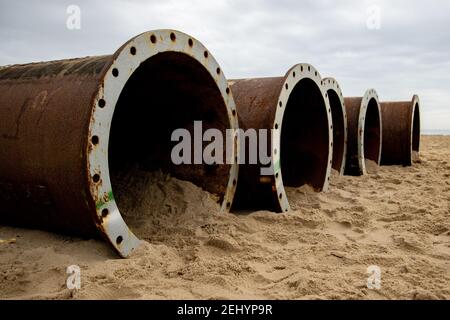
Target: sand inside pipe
[415, 157]
[154, 203]
[371, 166]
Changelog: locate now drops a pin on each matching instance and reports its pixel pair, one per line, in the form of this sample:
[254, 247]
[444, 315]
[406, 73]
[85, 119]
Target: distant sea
[435, 132]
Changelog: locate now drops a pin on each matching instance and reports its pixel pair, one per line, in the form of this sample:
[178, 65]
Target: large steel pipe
[401, 131]
[339, 123]
[69, 129]
[295, 109]
[364, 132]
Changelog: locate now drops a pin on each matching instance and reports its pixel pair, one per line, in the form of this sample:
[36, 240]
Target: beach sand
[396, 218]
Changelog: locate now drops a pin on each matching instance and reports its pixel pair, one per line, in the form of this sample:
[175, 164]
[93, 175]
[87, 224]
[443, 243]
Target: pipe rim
[331, 83]
[368, 96]
[126, 60]
[415, 101]
[292, 77]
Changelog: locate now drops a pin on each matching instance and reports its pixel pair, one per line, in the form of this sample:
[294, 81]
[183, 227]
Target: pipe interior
[372, 132]
[304, 137]
[168, 91]
[416, 129]
[338, 129]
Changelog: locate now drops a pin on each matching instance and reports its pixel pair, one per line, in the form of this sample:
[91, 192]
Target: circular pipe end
[339, 123]
[369, 130]
[125, 64]
[415, 124]
[401, 131]
[304, 152]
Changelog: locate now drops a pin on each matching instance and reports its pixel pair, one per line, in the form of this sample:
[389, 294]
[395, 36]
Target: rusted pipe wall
[67, 127]
[296, 108]
[401, 131]
[339, 123]
[364, 132]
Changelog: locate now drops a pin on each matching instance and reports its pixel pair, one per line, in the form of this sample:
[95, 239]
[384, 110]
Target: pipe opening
[338, 129]
[416, 129]
[372, 132]
[304, 137]
[168, 91]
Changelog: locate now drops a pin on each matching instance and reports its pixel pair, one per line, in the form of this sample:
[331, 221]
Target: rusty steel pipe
[401, 131]
[339, 123]
[295, 109]
[364, 132]
[69, 127]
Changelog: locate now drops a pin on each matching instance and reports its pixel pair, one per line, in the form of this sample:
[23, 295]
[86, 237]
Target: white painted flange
[368, 96]
[330, 83]
[297, 73]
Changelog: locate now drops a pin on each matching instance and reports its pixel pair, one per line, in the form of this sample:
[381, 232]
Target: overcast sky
[404, 52]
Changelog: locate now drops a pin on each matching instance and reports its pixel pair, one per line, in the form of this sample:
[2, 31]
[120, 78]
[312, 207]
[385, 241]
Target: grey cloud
[409, 54]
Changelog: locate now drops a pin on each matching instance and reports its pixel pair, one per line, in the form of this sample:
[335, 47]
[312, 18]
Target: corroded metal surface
[55, 123]
[364, 132]
[296, 109]
[44, 117]
[401, 131]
